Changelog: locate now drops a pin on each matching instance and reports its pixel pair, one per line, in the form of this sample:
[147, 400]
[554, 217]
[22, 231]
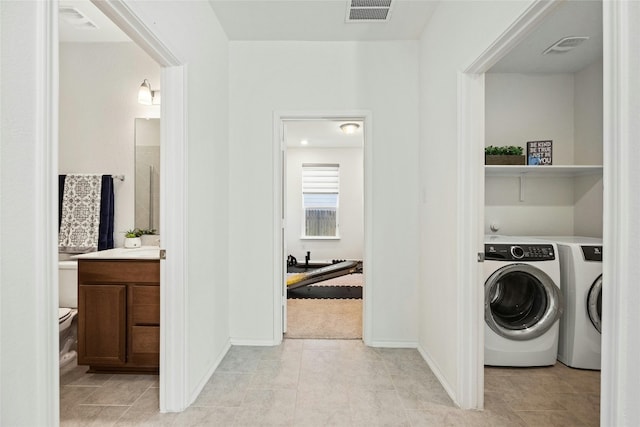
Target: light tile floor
[333, 383]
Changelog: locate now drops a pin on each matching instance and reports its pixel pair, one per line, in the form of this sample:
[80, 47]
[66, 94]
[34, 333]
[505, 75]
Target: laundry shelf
[543, 171]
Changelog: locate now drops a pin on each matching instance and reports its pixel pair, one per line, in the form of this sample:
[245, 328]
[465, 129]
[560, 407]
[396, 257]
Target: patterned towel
[80, 213]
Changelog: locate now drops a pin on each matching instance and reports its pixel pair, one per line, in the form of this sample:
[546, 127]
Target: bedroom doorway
[323, 233]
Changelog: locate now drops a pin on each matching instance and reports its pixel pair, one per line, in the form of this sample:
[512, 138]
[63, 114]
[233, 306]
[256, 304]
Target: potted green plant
[504, 155]
[132, 238]
[149, 237]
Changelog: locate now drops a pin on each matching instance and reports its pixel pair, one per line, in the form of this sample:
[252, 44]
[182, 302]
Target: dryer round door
[521, 302]
[594, 304]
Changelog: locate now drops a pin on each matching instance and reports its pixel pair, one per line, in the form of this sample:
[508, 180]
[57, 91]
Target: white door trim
[174, 334]
[470, 228]
[279, 261]
[470, 238]
[174, 394]
[130, 23]
[45, 258]
[621, 234]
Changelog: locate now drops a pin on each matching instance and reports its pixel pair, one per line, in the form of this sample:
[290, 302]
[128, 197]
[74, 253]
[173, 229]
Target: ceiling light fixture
[147, 96]
[304, 142]
[349, 128]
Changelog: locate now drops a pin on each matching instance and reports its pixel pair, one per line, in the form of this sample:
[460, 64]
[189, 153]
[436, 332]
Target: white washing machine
[581, 278]
[523, 302]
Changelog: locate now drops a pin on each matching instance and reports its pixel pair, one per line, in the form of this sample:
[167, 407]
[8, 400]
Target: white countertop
[144, 252]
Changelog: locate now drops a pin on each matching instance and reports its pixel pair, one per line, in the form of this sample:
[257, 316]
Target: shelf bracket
[522, 187]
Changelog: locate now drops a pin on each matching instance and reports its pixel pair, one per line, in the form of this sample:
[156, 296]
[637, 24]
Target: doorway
[323, 193]
[102, 137]
[173, 389]
[472, 123]
[318, 249]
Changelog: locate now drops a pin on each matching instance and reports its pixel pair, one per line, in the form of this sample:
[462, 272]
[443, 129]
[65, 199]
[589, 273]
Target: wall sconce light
[147, 96]
[349, 128]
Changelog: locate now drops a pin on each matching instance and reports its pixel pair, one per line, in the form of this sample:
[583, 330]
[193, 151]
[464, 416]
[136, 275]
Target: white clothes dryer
[581, 278]
[523, 302]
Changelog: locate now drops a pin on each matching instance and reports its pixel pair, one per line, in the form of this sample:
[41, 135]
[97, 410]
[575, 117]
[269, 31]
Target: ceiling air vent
[368, 10]
[565, 44]
[74, 17]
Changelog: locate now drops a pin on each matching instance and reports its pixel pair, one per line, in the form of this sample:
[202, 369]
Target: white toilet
[68, 303]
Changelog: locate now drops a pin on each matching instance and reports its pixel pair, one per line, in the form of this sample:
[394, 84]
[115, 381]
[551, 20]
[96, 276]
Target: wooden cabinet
[119, 315]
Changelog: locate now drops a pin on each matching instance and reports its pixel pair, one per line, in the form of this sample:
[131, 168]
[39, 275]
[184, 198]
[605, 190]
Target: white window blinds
[320, 190]
[320, 178]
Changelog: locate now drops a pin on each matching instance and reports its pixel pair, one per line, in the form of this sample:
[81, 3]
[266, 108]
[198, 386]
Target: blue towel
[105, 233]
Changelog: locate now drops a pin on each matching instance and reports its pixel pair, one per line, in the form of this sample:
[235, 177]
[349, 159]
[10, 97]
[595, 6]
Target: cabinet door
[102, 325]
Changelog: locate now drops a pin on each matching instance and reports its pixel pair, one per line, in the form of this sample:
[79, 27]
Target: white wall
[28, 373]
[566, 108]
[99, 85]
[457, 33]
[530, 107]
[588, 115]
[350, 210]
[547, 209]
[301, 76]
[521, 108]
[204, 49]
[588, 191]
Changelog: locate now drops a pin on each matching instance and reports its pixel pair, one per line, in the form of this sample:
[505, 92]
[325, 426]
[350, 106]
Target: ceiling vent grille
[74, 17]
[565, 45]
[368, 10]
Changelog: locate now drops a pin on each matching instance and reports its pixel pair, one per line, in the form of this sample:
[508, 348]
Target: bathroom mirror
[147, 155]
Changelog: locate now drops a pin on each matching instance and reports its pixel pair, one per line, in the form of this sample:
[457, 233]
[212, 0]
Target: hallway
[337, 383]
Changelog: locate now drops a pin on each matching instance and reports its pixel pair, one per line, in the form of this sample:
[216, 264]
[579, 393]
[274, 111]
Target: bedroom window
[320, 195]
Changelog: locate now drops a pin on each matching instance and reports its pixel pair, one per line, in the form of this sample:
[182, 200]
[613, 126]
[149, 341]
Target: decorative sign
[539, 152]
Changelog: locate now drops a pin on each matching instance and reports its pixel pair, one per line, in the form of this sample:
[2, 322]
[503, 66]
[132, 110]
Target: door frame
[279, 213]
[471, 108]
[174, 395]
[620, 266]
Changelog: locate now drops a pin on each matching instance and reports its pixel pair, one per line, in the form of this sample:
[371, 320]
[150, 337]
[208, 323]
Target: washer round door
[594, 304]
[521, 302]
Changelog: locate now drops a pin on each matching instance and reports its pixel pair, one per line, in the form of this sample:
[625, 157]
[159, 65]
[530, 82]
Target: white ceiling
[322, 134]
[571, 18]
[324, 20]
[107, 31]
[317, 20]
[303, 20]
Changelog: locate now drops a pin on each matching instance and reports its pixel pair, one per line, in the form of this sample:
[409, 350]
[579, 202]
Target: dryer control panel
[504, 252]
[592, 253]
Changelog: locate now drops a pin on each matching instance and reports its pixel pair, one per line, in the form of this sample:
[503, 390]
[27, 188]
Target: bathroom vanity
[119, 310]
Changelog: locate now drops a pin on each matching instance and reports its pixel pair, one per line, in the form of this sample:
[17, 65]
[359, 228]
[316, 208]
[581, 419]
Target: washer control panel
[504, 252]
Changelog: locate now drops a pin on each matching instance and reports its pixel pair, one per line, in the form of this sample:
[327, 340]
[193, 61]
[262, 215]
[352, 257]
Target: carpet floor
[326, 318]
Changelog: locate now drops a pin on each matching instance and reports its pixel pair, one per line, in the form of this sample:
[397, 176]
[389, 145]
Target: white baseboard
[394, 344]
[205, 379]
[438, 373]
[261, 343]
